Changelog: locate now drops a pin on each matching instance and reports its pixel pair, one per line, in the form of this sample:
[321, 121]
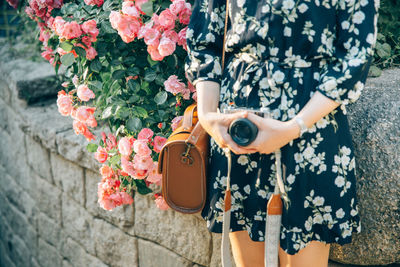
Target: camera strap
[272, 221]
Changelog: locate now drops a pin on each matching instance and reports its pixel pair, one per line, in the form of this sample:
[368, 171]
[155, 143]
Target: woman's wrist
[293, 129]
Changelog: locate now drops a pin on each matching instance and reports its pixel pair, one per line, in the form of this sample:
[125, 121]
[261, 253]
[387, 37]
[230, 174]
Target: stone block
[75, 255]
[48, 255]
[216, 250]
[375, 126]
[38, 159]
[113, 246]
[12, 154]
[122, 216]
[19, 253]
[69, 177]
[77, 223]
[5, 94]
[14, 221]
[73, 148]
[151, 254]
[48, 198]
[4, 258]
[184, 234]
[44, 123]
[49, 230]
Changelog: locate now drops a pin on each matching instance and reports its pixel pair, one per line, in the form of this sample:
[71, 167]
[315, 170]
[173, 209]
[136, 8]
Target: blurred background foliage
[19, 30]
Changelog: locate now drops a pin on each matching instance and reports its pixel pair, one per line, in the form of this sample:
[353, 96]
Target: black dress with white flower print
[278, 54]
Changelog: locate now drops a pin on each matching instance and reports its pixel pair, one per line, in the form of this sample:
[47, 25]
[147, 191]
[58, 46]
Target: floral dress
[278, 54]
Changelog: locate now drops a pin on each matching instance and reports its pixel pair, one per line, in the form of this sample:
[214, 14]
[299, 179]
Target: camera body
[242, 131]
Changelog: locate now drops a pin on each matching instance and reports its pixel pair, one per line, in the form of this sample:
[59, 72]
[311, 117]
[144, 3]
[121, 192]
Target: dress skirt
[272, 62]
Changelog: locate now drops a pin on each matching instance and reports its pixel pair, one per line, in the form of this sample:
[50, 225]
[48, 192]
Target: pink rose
[90, 27]
[115, 18]
[184, 16]
[154, 54]
[159, 142]
[194, 96]
[64, 103]
[177, 6]
[175, 122]
[128, 28]
[173, 85]
[171, 34]
[81, 128]
[127, 166]
[146, 134]
[142, 162]
[58, 25]
[153, 176]
[166, 47]
[71, 30]
[84, 114]
[182, 37]
[141, 148]
[125, 146]
[48, 54]
[75, 80]
[99, 3]
[129, 8]
[101, 154]
[111, 141]
[160, 202]
[152, 37]
[166, 19]
[91, 53]
[84, 93]
[106, 171]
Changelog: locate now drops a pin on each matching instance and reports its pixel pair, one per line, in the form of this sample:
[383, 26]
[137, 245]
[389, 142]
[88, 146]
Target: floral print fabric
[278, 54]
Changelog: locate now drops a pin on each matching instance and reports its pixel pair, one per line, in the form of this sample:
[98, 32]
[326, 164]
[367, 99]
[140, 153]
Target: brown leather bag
[183, 163]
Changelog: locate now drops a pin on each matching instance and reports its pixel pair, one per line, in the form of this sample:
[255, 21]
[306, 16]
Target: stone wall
[49, 214]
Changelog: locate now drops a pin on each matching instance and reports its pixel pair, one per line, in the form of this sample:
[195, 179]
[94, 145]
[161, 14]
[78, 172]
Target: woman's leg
[246, 252]
[315, 254]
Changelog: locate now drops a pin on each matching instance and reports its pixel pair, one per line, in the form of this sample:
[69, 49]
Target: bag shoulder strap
[225, 30]
[190, 113]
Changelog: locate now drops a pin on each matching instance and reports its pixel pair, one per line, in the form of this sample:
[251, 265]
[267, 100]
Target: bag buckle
[185, 156]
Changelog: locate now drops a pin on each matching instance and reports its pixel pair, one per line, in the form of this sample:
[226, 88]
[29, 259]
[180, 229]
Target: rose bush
[123, 70]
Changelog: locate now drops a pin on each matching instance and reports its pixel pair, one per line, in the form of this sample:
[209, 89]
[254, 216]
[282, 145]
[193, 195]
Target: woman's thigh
[246, 252]
[314, 254]
[249, 253]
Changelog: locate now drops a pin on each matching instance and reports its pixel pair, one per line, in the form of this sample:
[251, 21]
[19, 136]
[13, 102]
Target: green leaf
[374, 71]
[150, 75]
[66, 46]
[151, 62]
[96, 84]
[147, 8]
[133, 99]
[161, 97]
[141, 112]
[114, 160]
[123, 113]
[142, 187]
[134, 124]
[383, 50]
[133, 71]
[95, 65]
[106, 27]
[118, 74]
[67, 59]
[92, 147]
[133, 85]
[80, 51]
[106, 113]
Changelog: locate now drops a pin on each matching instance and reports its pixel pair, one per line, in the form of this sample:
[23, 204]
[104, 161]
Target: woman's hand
[272, 134]
[217, 124]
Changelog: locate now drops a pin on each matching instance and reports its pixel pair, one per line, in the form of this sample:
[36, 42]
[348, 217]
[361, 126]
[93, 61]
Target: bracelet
[302, 125]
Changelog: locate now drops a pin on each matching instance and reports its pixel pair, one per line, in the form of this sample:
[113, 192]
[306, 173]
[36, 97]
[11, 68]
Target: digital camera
[242, 131]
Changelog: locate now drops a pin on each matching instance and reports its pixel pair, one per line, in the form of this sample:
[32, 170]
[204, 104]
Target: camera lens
[243, 131]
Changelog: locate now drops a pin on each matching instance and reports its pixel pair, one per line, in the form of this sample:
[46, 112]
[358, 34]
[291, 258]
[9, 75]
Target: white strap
[226, 222]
